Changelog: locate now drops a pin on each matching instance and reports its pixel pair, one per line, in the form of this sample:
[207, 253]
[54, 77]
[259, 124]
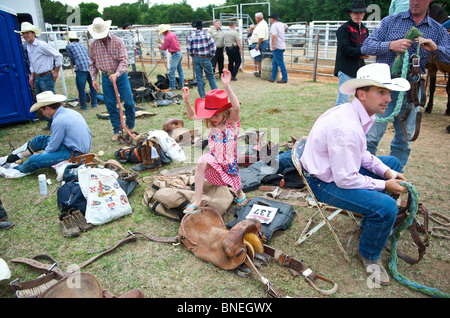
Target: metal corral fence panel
[310, 47]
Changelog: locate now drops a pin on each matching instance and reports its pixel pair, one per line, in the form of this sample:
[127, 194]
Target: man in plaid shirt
[109, 55]
[386, 40]
[79, 57]
[201, 46]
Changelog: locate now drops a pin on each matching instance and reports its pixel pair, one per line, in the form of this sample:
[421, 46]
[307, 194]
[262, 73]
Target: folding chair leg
[326, 220]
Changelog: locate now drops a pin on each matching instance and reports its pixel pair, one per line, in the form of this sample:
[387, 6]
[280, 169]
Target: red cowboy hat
[215, 101]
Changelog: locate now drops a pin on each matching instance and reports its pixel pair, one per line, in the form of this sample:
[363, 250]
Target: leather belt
[202, 56]
[174, 52]
[42, 74]
[109, 73]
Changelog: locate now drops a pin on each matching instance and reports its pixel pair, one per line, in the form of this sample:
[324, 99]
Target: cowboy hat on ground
[376, 74]
[215, 102]
[46, 98]
[99, 28]
[28, 27]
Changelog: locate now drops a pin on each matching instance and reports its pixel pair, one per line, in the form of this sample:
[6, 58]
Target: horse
[438, 13]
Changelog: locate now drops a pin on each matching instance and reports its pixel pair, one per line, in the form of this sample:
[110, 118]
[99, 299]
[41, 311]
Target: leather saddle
[204, 233]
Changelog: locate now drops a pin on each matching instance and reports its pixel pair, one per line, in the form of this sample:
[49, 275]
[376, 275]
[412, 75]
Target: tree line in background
[144, 12]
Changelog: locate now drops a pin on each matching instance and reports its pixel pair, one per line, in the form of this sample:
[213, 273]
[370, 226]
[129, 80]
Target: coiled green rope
[401, 95]
[393, 247]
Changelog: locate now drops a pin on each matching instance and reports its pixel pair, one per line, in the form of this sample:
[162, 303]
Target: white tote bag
[170, 147]
[106, 200]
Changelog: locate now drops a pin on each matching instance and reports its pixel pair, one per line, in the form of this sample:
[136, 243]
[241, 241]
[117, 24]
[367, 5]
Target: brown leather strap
[297, 268]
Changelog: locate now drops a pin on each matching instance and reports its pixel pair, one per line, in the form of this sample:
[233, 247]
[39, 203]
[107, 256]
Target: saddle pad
[281, 220]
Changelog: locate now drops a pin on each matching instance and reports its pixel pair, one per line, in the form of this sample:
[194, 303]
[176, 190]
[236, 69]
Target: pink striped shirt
[108, 56]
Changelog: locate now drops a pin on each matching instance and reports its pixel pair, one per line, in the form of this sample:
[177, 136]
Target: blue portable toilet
[16, 97]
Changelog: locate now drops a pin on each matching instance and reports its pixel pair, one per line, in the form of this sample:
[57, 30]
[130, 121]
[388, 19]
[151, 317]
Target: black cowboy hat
[274, 16]
[357, 6]
[198, 24]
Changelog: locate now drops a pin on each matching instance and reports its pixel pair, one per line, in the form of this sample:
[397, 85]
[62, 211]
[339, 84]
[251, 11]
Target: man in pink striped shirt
[342, 173]
[176, 61]
[108, 54]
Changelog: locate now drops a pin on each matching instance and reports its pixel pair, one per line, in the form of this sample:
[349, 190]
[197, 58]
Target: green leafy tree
[54, 12]
[89, 11]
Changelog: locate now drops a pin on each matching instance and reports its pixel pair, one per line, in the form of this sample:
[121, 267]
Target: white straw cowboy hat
[46, 98]
[5, 273]
[99, 28]
[28, 27]
[163, 28]
[376, 74]
[72, 36]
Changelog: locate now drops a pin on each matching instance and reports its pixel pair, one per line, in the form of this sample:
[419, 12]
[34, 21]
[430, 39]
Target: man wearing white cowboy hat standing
[79, 57]
[42, 57]
[69, 134]
[340, 170]
[172, 44]
[108, 54]
[44, 61]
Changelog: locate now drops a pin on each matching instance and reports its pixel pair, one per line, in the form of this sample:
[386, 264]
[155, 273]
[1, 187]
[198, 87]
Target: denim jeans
[43, 160]
[44, 83]
[109, 95]
[278, 61]
[264, 45]
[342, 98]
[399, 145]
[80, 80]
[203, 64]
[176, 64]
[379, 210]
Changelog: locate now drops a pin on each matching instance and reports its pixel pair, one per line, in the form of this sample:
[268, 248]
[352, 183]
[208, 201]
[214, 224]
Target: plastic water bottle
[42, 184]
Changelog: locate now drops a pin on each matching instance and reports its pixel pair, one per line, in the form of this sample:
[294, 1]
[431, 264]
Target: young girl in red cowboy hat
[219, 166]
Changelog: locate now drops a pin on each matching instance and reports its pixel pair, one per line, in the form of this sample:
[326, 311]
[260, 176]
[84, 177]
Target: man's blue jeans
[43, 84]
[203, 64]
[399, 145]
[43, 160]
[80, 80]
[278, 61]
[379, 210]
[342, 98]
[176, 64]
[109, 95]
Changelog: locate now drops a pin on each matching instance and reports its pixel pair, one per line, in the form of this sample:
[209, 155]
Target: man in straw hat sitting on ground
[69, 134]
[172, 44]
[108, 54]
[342, 173]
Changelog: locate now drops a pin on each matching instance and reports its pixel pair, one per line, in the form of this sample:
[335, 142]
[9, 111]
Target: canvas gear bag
[169, 195]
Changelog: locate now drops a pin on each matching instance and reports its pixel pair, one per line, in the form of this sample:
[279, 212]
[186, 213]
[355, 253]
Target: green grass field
[164, 270]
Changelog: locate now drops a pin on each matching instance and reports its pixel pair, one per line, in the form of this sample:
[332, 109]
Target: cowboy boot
[147, 162]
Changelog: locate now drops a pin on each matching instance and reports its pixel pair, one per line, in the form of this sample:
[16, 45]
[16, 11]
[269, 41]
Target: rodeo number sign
[263, 214]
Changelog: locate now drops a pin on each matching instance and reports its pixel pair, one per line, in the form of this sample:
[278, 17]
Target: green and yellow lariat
[393, 247]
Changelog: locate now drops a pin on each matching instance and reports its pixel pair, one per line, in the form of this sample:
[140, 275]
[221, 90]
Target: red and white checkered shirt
[108, 56]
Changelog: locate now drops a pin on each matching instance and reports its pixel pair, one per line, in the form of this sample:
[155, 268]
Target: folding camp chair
[297, 151]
